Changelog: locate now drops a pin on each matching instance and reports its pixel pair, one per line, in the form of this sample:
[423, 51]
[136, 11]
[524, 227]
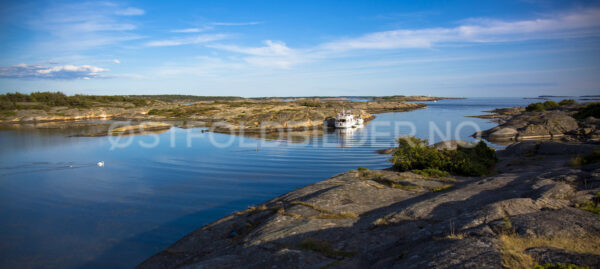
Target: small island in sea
[46, 109]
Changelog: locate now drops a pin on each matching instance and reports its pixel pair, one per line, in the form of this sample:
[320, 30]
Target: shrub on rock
[415, 154]
[591, 110]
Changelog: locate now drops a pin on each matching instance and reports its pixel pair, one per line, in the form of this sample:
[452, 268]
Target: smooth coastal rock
[387, 219]
[453, 144]
[556, 124]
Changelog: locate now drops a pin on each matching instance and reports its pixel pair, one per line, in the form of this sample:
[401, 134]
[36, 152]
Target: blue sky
[301, 48]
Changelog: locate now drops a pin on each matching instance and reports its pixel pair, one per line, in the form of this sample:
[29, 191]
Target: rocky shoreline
[240, 116]
[530, 211]
[558, 123]
[539, 205]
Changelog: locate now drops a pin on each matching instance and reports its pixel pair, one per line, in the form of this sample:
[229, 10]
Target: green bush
[550, 104]
[310, 103]
[52, 99]
[567, 102]
[414, 154]
[592, 110]
[541, 106]
[535, 107]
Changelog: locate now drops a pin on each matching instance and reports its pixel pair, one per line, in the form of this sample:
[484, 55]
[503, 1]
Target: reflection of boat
[345, 131]
[345, 120]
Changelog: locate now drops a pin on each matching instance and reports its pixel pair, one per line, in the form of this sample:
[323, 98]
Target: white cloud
[235, 23]
[116, 61]
[130, 11]
[567, 25]
[81, 26]
[273, 54]
[192, 30]
[272, 48]
[66, 72]
[187, 41]
[581, 23]
[211, 26]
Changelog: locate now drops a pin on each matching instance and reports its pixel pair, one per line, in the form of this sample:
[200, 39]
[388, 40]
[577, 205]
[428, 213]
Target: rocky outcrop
[453, 144]
[557, 124]
[533, 126]
[387, 219]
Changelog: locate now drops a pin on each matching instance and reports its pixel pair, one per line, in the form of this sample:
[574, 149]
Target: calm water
[59, 209]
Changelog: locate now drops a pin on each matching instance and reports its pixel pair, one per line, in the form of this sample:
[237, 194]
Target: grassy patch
[341, 215]
[431, 172]
[324, 247]
[7, 113]
[559, 266]
[252, 210]
[443, 188]
[513, 247]
[408, 187]
[281, 211]
[455, 236]
[415, 154]
[181, 112]
[586, 159]
[592, 206]
[327, 214]
[396, 185]
[381, 222]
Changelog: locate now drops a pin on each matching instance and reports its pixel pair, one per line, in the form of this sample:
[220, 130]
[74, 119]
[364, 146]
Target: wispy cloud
[271, 48]
[187, 41]
[193, 30]
[580, 23]
[210, 26]
[66, 72]
[235, 23]
[272, 54]
[130, 11]
[86, 25]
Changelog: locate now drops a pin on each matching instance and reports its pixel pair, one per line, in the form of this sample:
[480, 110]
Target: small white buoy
[100, 164]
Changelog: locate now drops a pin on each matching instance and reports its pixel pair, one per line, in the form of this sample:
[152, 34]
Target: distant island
[240, 114]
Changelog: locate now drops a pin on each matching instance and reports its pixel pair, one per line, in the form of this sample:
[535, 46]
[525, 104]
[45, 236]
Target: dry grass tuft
[381, 222]
[327, 214]
[443, 188]
[514, 245]
[341, 215]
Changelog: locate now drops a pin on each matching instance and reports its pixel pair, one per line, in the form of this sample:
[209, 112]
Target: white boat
[347, 120]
